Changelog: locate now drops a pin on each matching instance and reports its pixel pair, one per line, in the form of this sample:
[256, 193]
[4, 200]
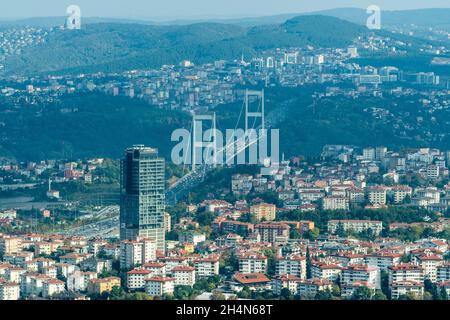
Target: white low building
[158, 286]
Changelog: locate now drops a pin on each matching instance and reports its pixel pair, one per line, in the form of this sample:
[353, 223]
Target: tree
[308, 264]
[431, 288]
[385, 284]
[444, 294]
[286, 294]
[217, 295]
[404, 259]
[427, 296]
[408, 296]
[340, 231]
[117, 293]
[183, 292]
[271, 262]
[362, 293]
[205, 218]
[245, 293]
[294, 233]
[379, 295]
[140, 296]
[312, 234]
[324, 295]
[336, 291]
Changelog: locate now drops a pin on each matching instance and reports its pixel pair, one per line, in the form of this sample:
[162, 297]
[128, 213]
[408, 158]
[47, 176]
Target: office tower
[142, 197]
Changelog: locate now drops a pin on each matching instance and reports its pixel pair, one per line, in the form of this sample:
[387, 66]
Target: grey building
[142, 195]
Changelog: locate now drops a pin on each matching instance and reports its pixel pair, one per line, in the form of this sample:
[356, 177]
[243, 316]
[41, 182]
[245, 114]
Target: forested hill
[117, 47]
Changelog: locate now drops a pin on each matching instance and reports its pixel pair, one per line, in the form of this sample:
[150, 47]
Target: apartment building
[250, 262]
[99, 286]
[399, 193]
[405, 272]
[407, 287]
[335, 203]
[136, 278]
[292, 265]
[361, 273]
[273, 231]
[355, 225]
[264, 211]
[137, 252]
[325, 270]
[430, 263]
[9, 291]
[79, 281]
[158, 286]
[184, 276]
[376, 195]
[206, 267]
[383, 260]
[52, 287]
[443, 272]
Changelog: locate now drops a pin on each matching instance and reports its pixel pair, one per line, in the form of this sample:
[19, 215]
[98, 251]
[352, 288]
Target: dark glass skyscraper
[142, 195]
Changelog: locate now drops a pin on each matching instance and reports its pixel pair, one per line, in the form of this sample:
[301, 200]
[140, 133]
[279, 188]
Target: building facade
[142, 198]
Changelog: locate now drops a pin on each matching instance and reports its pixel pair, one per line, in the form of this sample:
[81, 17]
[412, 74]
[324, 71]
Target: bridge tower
[197, 137]
[259, 113]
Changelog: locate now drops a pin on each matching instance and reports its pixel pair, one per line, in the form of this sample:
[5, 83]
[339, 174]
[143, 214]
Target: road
[107, 225]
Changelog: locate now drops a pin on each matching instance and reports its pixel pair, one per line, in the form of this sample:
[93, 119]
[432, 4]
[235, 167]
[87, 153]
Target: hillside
[84, 125]
[117, 47]
[420, 17]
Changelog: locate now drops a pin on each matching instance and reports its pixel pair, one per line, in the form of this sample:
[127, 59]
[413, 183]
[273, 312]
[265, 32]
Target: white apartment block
[137, 253]
[431, 194]
[9, 291]
[405, 272]
[355, 225]
[443, 272]
[376, 195]
[52, 287]
[184, 276]
[173, 262]
[13, 274]
[155, 268]
[136, 278]
[429, 263]
[361, 273]
[291, 265]
[310, 287]
[78, 281]
[252, 263]
[383, 260]
[407, 287]
[285, 281]
[335, 203]
[158, 286]
[64, 269]
[10, 244]
[399, 193]
[325, 270]
[206, 267]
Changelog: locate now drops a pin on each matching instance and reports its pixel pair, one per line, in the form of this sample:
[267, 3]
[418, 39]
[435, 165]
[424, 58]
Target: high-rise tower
[142, 195]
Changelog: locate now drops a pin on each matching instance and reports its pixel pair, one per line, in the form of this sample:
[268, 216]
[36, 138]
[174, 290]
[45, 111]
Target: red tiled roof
[251, 278]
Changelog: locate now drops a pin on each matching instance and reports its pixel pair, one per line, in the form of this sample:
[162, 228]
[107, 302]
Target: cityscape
[287, 157]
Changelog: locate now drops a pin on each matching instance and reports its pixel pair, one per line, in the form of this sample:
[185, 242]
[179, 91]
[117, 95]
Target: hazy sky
[195, 8]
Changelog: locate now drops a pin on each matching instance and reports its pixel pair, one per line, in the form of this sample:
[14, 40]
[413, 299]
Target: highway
[107, 226]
